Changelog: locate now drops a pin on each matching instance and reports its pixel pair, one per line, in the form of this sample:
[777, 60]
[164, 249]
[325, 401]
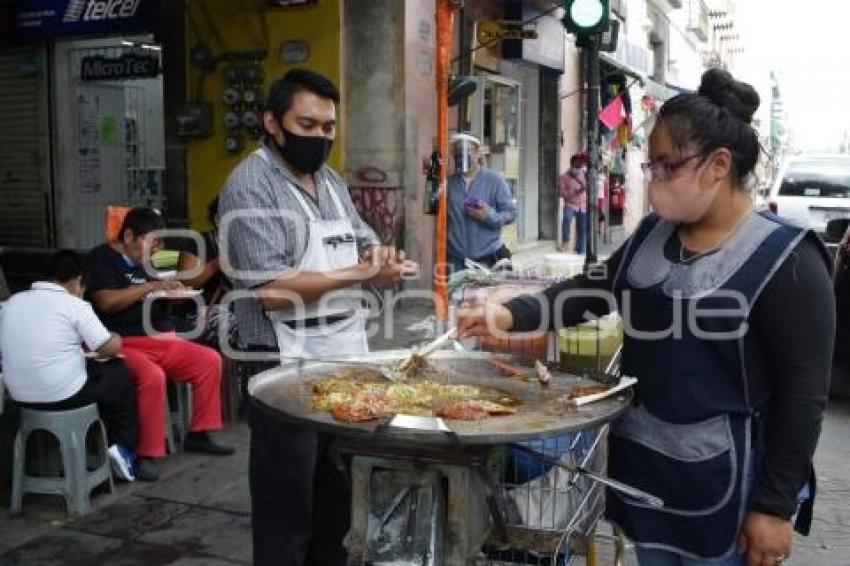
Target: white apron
[331, 245]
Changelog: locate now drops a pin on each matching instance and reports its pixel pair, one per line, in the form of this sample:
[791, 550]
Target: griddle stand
[447, 500]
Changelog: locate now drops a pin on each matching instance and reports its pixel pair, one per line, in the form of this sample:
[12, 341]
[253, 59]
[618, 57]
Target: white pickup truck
[812, 190]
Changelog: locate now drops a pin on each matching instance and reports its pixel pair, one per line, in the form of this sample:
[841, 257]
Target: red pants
[151, 360]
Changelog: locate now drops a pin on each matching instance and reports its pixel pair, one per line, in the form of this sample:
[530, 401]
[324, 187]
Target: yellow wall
[319, 26]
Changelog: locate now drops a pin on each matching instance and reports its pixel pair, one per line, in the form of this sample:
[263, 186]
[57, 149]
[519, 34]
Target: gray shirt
[264, 230]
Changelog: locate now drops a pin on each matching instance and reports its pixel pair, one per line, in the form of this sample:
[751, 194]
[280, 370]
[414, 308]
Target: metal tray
[286, 392]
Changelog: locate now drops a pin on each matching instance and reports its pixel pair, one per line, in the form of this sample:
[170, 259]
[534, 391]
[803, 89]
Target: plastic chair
[114, 219]
[178, 411]
[70, 428]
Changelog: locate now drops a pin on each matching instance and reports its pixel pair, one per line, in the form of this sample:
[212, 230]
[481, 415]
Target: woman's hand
[483, 320]
[765, 539]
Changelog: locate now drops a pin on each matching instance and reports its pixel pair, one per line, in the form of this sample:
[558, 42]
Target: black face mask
[306, 154]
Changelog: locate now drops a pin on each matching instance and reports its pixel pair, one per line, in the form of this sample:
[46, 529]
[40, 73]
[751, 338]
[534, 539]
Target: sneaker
[121, 461]
[146, 470]
[203, 442]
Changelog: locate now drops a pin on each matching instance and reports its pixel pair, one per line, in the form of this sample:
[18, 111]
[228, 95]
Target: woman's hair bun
[738, 98]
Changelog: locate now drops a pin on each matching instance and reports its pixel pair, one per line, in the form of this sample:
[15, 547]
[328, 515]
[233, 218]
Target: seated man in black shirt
[119, 287]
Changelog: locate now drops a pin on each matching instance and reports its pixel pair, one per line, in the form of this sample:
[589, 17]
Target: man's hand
[167, 285]
[483, 320]
[765, 540]
[392, 273]
[382, 256]
[480, 213]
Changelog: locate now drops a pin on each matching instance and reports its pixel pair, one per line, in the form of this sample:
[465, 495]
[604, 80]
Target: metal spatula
[416, 357]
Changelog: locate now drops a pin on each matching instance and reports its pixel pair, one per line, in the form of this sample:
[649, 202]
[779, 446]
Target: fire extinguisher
[617, 197]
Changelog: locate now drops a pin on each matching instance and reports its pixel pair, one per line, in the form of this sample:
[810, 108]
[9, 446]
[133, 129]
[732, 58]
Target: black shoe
[203, 442]
[146, 470]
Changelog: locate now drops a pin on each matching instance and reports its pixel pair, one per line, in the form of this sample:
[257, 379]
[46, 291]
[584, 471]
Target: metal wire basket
[552, 513]
[557, 511]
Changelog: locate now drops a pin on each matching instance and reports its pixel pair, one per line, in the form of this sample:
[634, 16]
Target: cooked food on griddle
[412, 363]
[365, 395]
[463, 411]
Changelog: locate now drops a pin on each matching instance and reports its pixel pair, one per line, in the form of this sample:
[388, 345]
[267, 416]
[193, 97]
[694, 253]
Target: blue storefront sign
[56, 18]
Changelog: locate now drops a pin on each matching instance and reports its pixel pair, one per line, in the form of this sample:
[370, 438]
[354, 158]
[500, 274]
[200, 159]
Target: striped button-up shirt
[264, 230]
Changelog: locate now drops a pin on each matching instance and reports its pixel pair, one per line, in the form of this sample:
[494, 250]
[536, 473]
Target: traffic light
[586, 17]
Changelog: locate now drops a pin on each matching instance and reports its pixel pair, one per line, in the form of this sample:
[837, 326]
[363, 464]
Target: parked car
[812, 190]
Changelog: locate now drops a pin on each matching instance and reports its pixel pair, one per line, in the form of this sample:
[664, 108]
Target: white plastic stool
[76, 483]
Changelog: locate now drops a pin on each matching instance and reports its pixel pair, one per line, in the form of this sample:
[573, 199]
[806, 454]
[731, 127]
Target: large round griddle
[286, 392]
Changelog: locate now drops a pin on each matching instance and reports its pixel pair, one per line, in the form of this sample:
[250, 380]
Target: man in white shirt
[44, 367]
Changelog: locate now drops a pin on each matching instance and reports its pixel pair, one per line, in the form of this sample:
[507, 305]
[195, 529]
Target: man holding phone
[479, 204]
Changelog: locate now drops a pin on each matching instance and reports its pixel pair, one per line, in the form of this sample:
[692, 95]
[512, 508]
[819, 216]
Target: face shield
[464, 150]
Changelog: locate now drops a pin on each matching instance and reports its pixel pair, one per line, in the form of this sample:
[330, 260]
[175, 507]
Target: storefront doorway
[110, 140]
[496, 118]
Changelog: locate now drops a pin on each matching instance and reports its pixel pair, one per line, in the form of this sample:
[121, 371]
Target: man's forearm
[309, 285]
[111, 348]
[116, 300]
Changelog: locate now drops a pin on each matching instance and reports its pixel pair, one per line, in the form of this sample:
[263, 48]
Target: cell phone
[472, 202]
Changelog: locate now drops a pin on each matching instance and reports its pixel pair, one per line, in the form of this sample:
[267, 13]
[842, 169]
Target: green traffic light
[586, 17]
[587, 13]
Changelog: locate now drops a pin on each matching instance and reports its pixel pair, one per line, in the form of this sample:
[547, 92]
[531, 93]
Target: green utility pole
[588, 20]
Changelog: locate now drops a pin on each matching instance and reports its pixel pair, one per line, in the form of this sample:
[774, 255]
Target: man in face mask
[479, 204]
[572, 187]
[291, 234]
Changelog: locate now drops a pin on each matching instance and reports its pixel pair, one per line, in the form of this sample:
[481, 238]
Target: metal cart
[431, 492]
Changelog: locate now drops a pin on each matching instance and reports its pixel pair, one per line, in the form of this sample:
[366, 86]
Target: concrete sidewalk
[197, 513]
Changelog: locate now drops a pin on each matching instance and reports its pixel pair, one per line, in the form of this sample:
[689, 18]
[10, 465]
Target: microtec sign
[128, 66]
[53, 18]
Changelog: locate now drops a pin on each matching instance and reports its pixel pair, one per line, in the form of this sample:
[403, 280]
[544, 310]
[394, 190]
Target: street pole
[592, 105]
[445, 21]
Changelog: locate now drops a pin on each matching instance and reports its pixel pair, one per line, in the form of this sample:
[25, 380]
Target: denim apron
[689, 437]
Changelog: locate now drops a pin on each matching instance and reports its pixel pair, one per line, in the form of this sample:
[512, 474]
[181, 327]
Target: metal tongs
[611, 483]
[415, 358]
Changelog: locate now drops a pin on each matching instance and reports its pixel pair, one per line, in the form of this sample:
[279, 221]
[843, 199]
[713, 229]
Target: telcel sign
[51, 18]
[96, 10]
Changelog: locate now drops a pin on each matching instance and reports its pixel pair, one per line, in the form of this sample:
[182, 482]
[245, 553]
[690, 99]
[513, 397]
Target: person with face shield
[293, 242]
[729, 321]
[479, 204]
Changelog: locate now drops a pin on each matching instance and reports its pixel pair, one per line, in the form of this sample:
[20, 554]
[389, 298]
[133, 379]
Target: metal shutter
[24, 147]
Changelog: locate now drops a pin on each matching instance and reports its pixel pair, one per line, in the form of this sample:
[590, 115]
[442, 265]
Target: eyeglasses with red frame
[660, 171]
